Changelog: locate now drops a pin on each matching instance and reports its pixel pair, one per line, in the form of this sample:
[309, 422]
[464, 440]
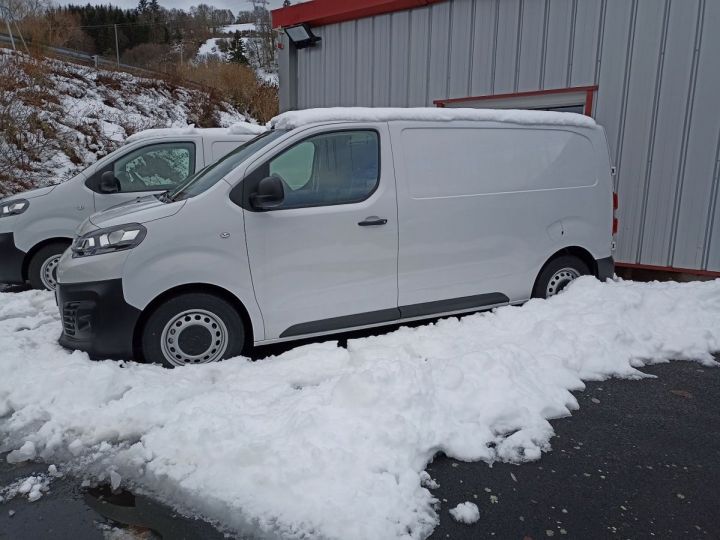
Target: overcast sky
[234, 5]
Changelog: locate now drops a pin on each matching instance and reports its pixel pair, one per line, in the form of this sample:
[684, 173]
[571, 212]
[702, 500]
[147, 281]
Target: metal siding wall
[585, 45]
[419, 57]
[348, 63]
[484, 42]
[637, 124]
[439, 50]
[532, 38]
[557, 47]
[507, 46]
[381, 61]
[655, 61]
[666, 154]
[700, 213]
[365, 52]
[333, 67]
[399, 54]
[460, 50]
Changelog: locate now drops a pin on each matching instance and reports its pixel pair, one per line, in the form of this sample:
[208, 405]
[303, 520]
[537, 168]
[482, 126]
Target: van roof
[239, 128]
[293, 119]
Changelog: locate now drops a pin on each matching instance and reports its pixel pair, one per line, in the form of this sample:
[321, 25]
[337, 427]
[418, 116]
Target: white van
[340, 219]
[38, 225]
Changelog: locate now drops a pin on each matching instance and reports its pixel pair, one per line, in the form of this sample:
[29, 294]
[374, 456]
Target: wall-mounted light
[301, 35]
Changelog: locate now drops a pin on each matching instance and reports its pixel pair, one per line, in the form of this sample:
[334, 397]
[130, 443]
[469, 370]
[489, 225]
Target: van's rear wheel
[193, 328]
[557, 274]
[42, 270]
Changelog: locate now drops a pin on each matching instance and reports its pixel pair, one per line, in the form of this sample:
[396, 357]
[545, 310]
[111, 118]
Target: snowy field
[325, 442]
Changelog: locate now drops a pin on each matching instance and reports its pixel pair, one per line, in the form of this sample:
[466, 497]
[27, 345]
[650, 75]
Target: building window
[576, 100]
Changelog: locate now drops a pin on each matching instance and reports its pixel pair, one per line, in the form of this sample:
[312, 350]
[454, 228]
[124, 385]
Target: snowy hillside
[57, 118]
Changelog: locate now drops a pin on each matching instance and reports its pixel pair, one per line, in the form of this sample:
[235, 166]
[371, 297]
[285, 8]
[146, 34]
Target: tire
[192, 328]
[557, 274]
[43, 265]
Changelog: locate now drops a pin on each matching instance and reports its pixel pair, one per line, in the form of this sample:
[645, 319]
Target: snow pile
[33, 487]
[466, 512]
[329, 442]
[211, 48]
[72, 115]
[293, 119]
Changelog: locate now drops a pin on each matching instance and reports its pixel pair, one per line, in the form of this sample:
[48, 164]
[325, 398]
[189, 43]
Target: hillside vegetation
[57, 118]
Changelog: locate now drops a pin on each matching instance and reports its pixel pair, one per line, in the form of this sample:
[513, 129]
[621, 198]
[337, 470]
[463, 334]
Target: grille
[70, 318]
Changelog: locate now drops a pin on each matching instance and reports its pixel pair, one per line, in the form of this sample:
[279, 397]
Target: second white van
[339, 219]
[38, 225]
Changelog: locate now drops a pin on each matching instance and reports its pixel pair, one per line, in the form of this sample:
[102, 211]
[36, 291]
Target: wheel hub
[560, 280]
[194, 336]
[48, 272]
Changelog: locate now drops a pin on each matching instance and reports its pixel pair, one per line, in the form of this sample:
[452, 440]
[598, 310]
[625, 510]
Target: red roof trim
[571, 90]
[320, 12]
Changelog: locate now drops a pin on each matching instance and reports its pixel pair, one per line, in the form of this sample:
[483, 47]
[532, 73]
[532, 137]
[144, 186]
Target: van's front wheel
[193, 328]
[42, 270]
[557, 274]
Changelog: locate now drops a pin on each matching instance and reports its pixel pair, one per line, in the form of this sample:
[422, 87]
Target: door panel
[315, 268]
[478, 204]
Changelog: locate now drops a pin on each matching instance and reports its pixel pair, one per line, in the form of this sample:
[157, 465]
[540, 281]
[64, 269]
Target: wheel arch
[206, 288]
[581, 253]
[37, 247]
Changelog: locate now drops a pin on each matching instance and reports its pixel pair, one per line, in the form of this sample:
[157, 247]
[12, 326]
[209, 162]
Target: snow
[328, 442]
[210, 48]
[237, 128]
[31, 487]
[293, 119]
[242, 27]
[466, 512]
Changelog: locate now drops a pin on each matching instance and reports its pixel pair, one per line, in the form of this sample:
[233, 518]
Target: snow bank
[466, 512]
[293, 119]
[329, 442]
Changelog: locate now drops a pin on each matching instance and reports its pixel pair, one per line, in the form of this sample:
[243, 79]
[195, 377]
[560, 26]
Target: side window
[155, 167]
[332, 168]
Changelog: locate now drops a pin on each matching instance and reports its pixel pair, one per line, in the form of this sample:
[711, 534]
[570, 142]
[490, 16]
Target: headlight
[108, 240]
[13, 208]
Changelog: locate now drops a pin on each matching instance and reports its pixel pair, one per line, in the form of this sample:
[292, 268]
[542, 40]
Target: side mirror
[108, 183]
[270, 194]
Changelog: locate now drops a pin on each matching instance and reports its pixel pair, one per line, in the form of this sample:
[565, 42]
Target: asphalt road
[640, 459]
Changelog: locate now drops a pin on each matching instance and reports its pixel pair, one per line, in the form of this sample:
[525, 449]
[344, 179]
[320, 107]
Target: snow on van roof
[293, 119]
[238, 128]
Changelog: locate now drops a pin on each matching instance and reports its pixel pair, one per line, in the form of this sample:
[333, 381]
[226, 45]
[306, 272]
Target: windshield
[212, 174]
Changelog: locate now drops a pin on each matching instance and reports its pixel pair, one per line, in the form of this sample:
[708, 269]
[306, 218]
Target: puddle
[69, 511]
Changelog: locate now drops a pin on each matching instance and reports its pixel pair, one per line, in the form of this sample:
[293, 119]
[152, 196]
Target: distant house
[646, 70]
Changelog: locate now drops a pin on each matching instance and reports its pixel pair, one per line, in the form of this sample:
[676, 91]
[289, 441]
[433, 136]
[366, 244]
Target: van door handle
[372, 220]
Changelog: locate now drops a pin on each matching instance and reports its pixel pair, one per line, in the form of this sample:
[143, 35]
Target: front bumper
[97, 319]
[605, 268]
[11, 260]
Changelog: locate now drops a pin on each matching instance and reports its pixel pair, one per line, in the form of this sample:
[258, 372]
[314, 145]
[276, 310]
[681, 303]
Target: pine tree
[142, 6]
[286, 3]
[236, 50]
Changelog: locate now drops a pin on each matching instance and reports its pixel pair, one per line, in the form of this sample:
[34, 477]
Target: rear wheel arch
[574, 251]
[213, 290]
